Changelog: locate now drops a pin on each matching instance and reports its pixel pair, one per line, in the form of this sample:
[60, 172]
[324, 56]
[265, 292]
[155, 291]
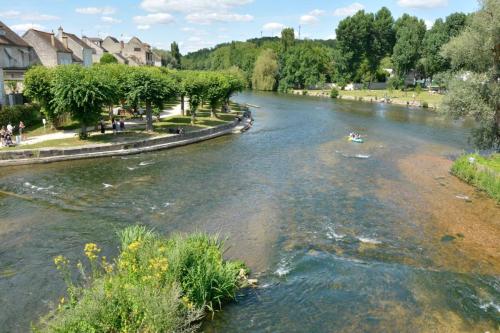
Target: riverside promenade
[48, 155]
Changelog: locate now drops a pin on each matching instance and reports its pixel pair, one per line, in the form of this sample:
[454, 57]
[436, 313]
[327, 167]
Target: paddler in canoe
[355, 137]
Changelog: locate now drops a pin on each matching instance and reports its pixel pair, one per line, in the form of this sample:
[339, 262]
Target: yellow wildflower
[60, 262]
[108, 268]
[91, 251]
[134, 246]
[160, 264]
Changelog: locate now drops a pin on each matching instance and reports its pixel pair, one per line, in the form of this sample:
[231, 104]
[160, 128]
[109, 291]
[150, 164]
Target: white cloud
[200, 11]
[349, 10]
[22, 28]
[156, 18]
[308, 19]
[32, 17]
[273, 26]
[423, 3]
[190, 6]
[207, 18]
[144, 27]
[317, 12]
[10, 14]
[96, 10]
[109, 19]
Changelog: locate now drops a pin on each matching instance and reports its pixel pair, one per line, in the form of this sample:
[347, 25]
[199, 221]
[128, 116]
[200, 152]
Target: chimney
[52, 40]
[65, 41]
[122, 45]
[60, 30]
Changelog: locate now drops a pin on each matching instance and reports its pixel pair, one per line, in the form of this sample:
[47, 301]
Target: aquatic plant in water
[156, 284]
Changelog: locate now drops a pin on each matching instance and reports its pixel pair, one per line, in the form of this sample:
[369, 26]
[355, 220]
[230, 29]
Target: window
[137, 49]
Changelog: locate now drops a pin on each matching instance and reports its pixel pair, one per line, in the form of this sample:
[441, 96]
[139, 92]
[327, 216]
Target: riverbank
[482, 172]
[48, 155]
[424, 99]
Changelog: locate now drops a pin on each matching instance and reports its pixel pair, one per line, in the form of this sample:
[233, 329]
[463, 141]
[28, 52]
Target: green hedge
[29, 114]
[482, 172]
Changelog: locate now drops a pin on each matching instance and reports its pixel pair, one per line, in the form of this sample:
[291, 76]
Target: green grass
[433, 100]
[482, 172]
[156, 284]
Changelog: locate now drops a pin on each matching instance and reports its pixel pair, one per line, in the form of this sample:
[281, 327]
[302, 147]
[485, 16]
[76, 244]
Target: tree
[151, 87]
[194, 85]
[287, 38]
[117, 76]
[410, 32]
[176, 54]
[475, 91]
[265, 71]
[82, 92]
[37, 86]
[236, 83]
[383, 38]
[306, 64]
[108, 58]
[216, 86]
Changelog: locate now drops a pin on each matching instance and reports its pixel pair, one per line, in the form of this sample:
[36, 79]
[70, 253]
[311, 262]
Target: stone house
[49, 49]
[156, 60]
[113, 46]
[15, 58]
[97, 49]
[79, 48]
[134, 52]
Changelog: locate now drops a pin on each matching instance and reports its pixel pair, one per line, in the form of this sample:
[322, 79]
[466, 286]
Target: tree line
[83, 93]
[366, 45]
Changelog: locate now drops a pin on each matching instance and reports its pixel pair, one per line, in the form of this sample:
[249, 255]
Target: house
[49, 49]
[113, 46]
[77, 46]
[157, 60]
[97, 49]
[15, 58]
[138, 52]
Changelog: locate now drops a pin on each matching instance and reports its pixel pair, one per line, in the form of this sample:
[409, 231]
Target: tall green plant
[38, 82]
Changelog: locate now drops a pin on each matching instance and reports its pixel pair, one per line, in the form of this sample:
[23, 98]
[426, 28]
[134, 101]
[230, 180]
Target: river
[343, 237]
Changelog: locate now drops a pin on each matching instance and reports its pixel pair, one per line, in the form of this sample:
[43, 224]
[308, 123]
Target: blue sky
[196, 24]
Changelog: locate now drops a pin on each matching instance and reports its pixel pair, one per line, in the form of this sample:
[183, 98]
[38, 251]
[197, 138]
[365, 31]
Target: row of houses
[49, 49]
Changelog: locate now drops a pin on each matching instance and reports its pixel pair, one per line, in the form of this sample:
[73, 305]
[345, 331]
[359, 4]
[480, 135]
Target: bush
[334, 93]
[155, 285]
[29, 114]
[107, 58]
[479, 171]
[304, 92]
[425, 105]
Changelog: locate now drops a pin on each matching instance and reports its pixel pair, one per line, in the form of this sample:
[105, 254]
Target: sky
[197, 24]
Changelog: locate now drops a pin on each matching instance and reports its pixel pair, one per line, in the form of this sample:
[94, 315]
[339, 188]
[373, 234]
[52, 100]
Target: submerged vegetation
[156, 284]
[483, 172]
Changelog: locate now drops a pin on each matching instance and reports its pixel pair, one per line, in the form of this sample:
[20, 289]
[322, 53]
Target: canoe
[357, 140]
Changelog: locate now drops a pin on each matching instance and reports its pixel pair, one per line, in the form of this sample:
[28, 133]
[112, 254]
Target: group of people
[117, 125]
[354, 135]
[6, 134]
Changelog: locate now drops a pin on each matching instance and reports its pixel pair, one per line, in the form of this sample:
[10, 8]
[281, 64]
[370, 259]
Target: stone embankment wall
[47, 155]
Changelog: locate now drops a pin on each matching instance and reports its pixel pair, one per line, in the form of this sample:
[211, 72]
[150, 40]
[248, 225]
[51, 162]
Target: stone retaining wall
[47, 155]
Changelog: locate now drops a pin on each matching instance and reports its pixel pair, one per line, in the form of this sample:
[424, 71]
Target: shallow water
[343, 237]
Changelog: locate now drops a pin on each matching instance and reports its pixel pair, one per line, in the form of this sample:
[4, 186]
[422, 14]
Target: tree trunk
[83, 131]
[149, 117]
[193, 116]
[214, 112]
[182, 106]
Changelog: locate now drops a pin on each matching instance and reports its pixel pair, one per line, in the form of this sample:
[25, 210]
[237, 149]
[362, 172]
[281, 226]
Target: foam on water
[368, 240]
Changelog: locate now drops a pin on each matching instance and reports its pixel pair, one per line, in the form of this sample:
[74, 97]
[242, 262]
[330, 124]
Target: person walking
[3, 132]
[103, 127]
[21, 129]
[122, 125]
[114, 126]
[10, 128]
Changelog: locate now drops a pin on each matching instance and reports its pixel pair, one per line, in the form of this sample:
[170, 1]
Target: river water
[343, 237]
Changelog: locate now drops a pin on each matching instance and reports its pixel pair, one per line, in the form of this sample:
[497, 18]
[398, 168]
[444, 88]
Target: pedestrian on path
[10, 128]
[114, 126]
[122, 125]
[103, 127]
[21, 129]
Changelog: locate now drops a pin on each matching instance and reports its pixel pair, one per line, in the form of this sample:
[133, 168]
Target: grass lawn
[397, 96]
[482, 172]
[93, 139]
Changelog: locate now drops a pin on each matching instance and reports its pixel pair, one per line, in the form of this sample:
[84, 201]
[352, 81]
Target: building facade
[49, 49]
[15, 57]
[79, 48]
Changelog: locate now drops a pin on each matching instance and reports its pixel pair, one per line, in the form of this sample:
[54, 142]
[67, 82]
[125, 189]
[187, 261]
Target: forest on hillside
[366, 45]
